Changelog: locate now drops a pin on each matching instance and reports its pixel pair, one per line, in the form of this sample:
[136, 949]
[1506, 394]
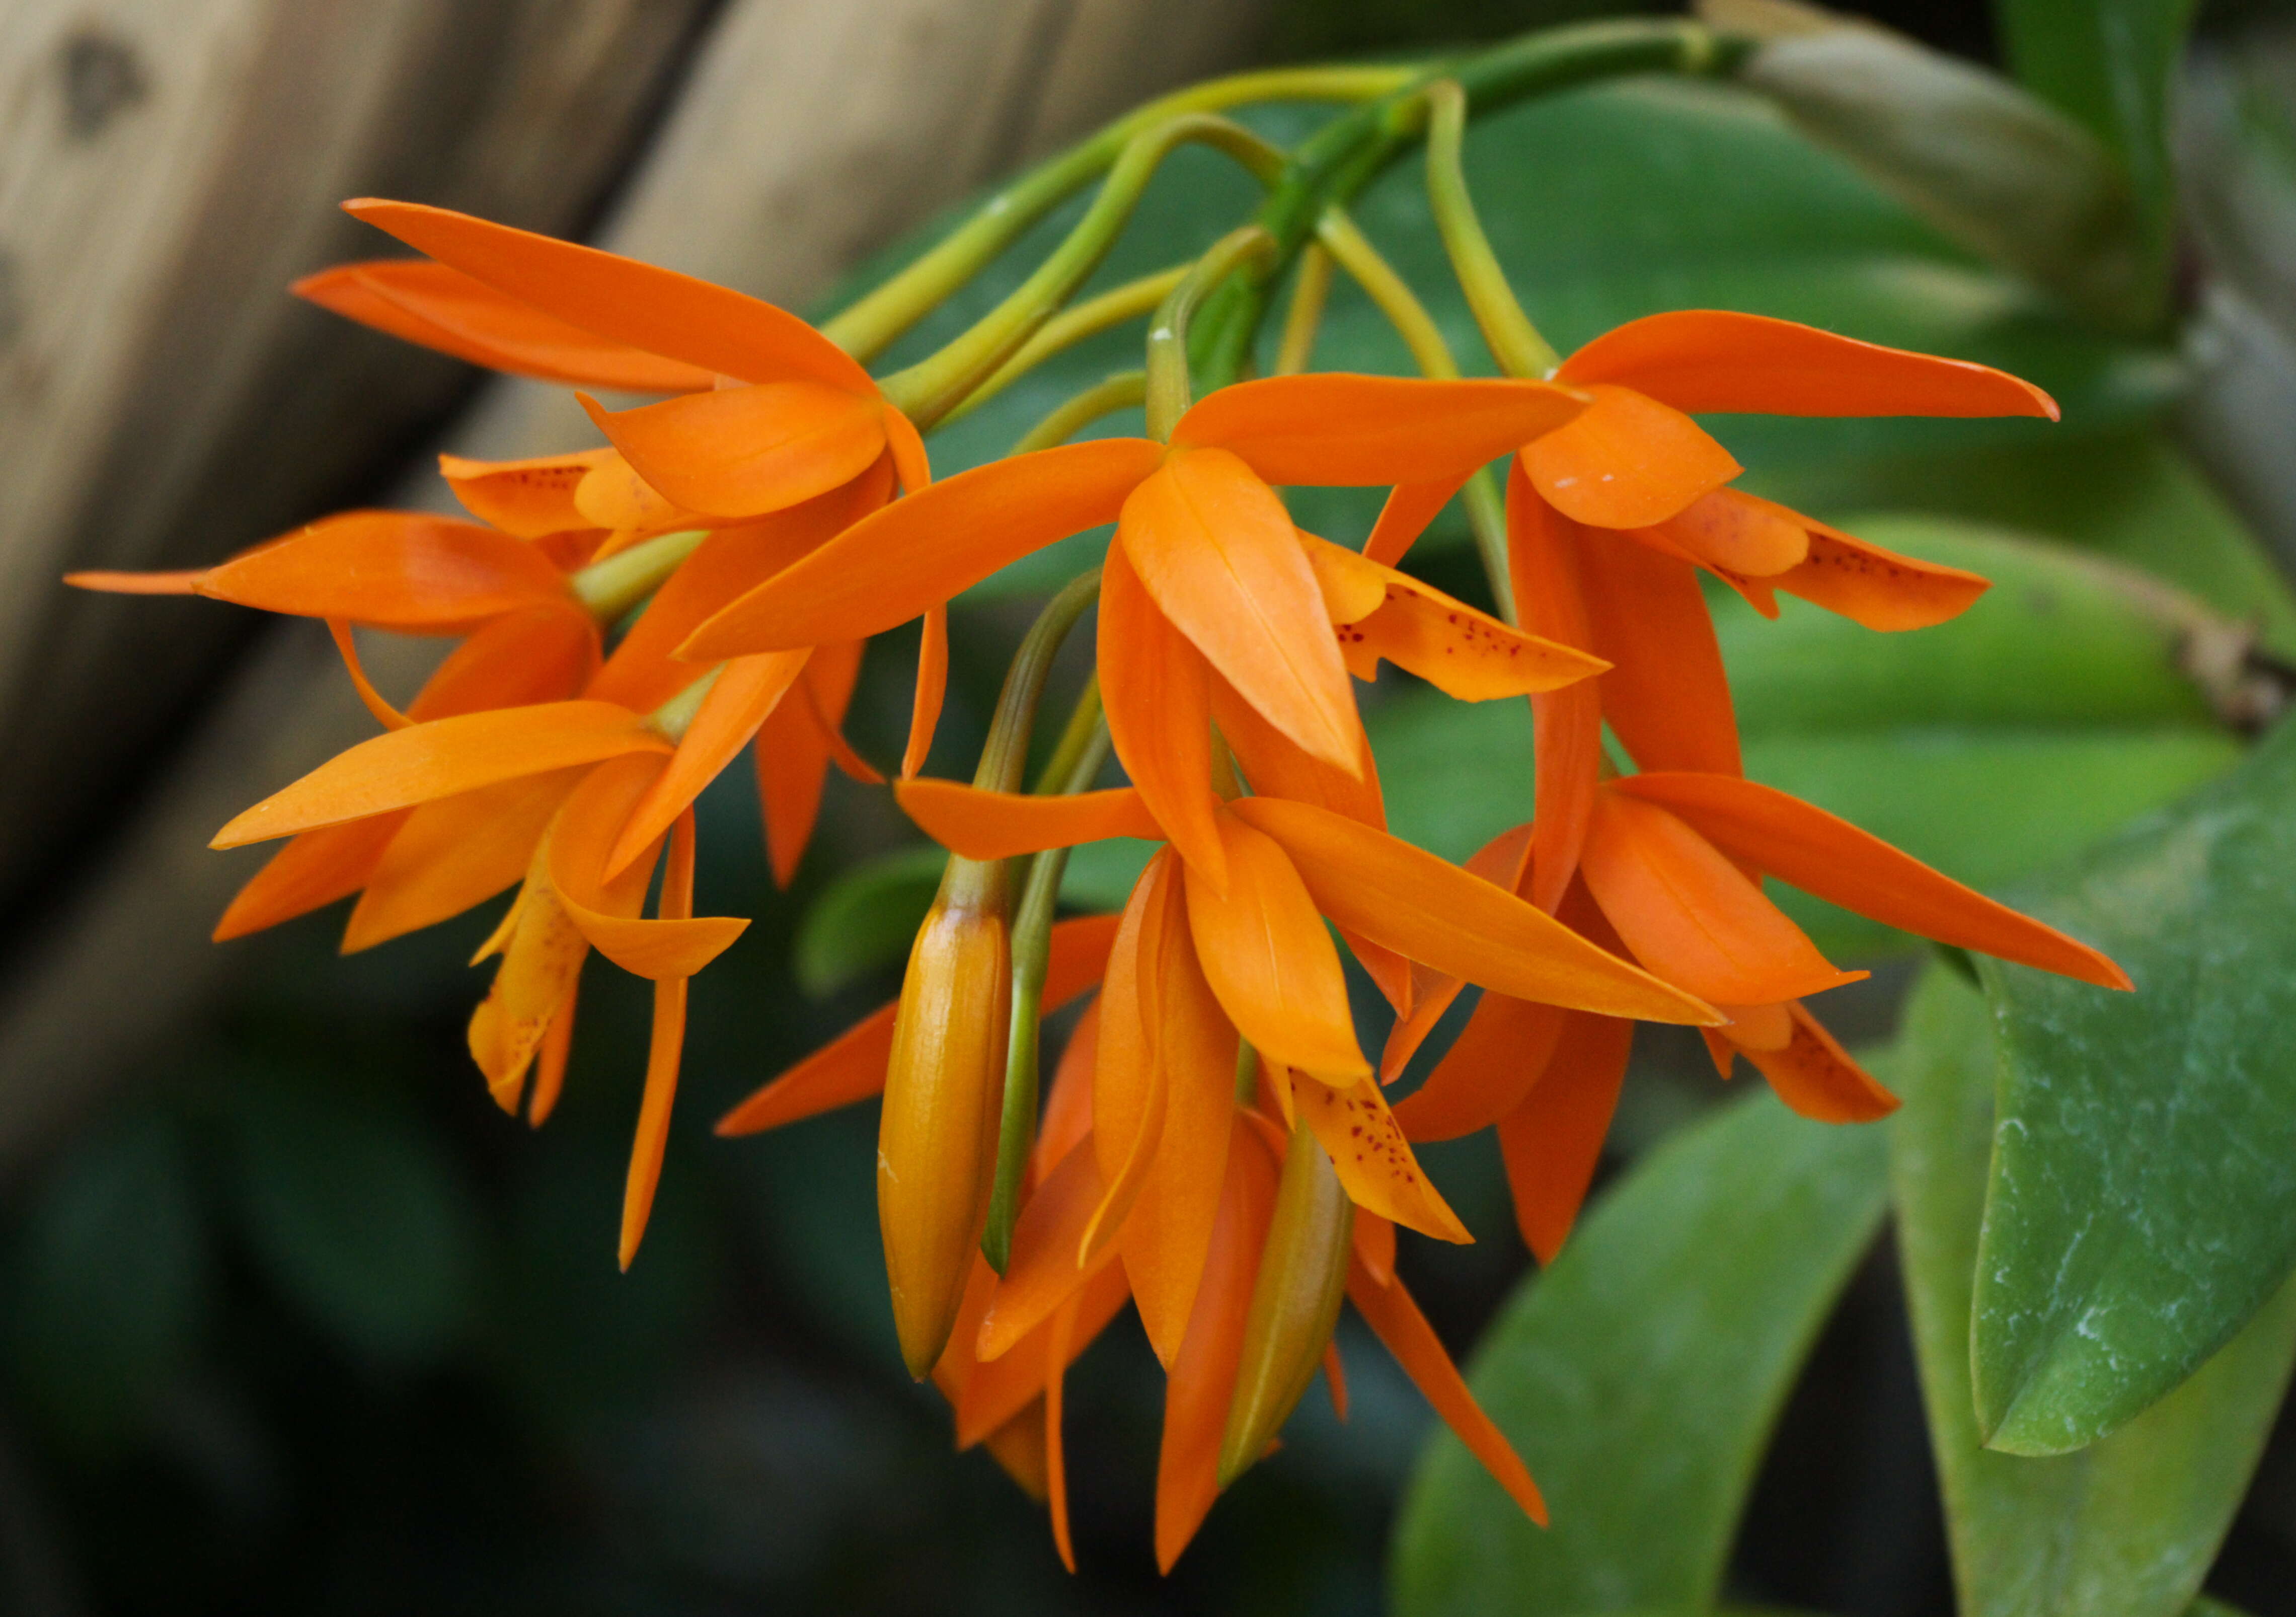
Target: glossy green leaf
[865, 918]
[1639, 1375]
[2142, 1201]
[2128, 1526]
[355, 1214]
[112, 1278]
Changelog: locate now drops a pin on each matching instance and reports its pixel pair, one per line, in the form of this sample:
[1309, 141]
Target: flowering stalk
[1169, 392]
[1513, 341]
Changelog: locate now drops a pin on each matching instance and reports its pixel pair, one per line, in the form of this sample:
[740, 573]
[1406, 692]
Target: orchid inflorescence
[1216, 1146]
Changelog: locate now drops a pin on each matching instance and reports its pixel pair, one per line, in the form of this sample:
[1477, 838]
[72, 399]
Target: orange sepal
[849, 1068]
[1000, 1389]
[1553, 1140]
[1130, 1078]
[932, 689]
[711, 328]
[427, 761]
[1396, 1320]
[1002, 825]
[1667, 695]
[454, 853]
[440, 307]
[1828, 857]
[1043, 1273]
[182, 582]
[315, 869]
[1409, 508]
[1543, 564]
[1722, 361]
[1433, 911]
[1215, 549]
[1819, 1078]
[1155, 687]
[927, 546]
[1505, 859]
[674, 906]
[1268, 957]
[1339, 428]
[794, 749]
[1497, 1058]
[1627, 461]
[545, 653]
[392, 569]
[550, 1061]
[746, 691]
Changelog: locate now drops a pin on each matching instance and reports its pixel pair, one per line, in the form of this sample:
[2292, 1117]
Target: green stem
[929, 390]
[874, 322]
[1168, 389]
[1073, 767]
[610, 589]
[672, 720]
[1070, 327]
[1309, 293]
[1120, 391]
[1513, 341]
[1005, 756]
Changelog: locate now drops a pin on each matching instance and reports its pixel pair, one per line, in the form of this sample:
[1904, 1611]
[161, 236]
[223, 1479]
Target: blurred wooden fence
[167, 166]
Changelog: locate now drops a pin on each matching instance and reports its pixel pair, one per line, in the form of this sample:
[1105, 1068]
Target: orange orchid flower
[1670, 877]
[1206, 574]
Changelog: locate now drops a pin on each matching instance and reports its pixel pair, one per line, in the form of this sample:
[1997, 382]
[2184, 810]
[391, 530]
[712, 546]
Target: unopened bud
[936, 1138]
[1295, 1302]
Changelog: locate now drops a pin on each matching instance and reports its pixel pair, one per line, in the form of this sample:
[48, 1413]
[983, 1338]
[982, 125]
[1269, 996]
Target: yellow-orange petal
[1341, 429]
[1826, 855]
[1433, 911]
[1627, 461]
[427, 761]
[1876, 587]
[531, 499]
[1737, 533]
[542, 958]
[1373, 1159]
[1692, 916]
[1396, 1320]
[659, 311]
[392, 569]
[440, 307]
[455, 853]
[1268, 957]
[744, 451]
[1553, 1140]
[927, 546]
[983, 824]
[1214, 547]
[1718, 360]
[1155, 687]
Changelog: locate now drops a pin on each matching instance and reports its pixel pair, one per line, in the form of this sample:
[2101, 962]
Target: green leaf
[865, 918]
[354, 1212]
[2142, 1201]
[1640, 1375]
[2128, 1526]
[2109, 63]
[112, 1280]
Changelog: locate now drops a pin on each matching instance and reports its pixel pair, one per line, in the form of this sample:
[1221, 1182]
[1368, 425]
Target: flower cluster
[1217, 1148]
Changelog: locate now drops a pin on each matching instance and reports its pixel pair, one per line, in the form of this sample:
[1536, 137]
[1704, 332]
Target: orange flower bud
[937, 1140]
[1295, 1302]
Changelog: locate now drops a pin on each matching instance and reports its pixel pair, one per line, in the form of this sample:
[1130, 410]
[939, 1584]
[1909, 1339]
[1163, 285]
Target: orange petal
[1213, 546]
[1553, 1140]
[1691, 915]
[1879, 587]
[1496, 1058]
[1001, 1388]
[1459, 651]
[928, 546]
[1627, 461]
[1353, 586]
[392, 569]
[531, 499]
[1666, 696]
[1131, 1082]
[426, 303]
[1155, 686]
[1405, 517]
[1374, 1244]
[1267, 957]
[644, 670]
[1337, 428]
[313, 870]
[1756, 1026]
[668, 1041]
[1056, 1471]
[1169, 1230]
[849, 1068]
[455, 853]
[1373, 1161]
[906, 445]
[184, 582]
[1068, 1112]
[1826, 855]
[1718, 360]
[664, 312]
[550, 1063]
[1738, 533]
[740, 452]
[604, 905]
[1002, 825]
[1505, 859]
[746, 691]
[932, 687]
[542, 654]
[794, 749]
[445, 756]
[1435, 912]
[373, 700]
[1818, 1078]
[1202, 1377]
[1396, 1320]
[612, 495]
[1043, 1272]
[1543, 554]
